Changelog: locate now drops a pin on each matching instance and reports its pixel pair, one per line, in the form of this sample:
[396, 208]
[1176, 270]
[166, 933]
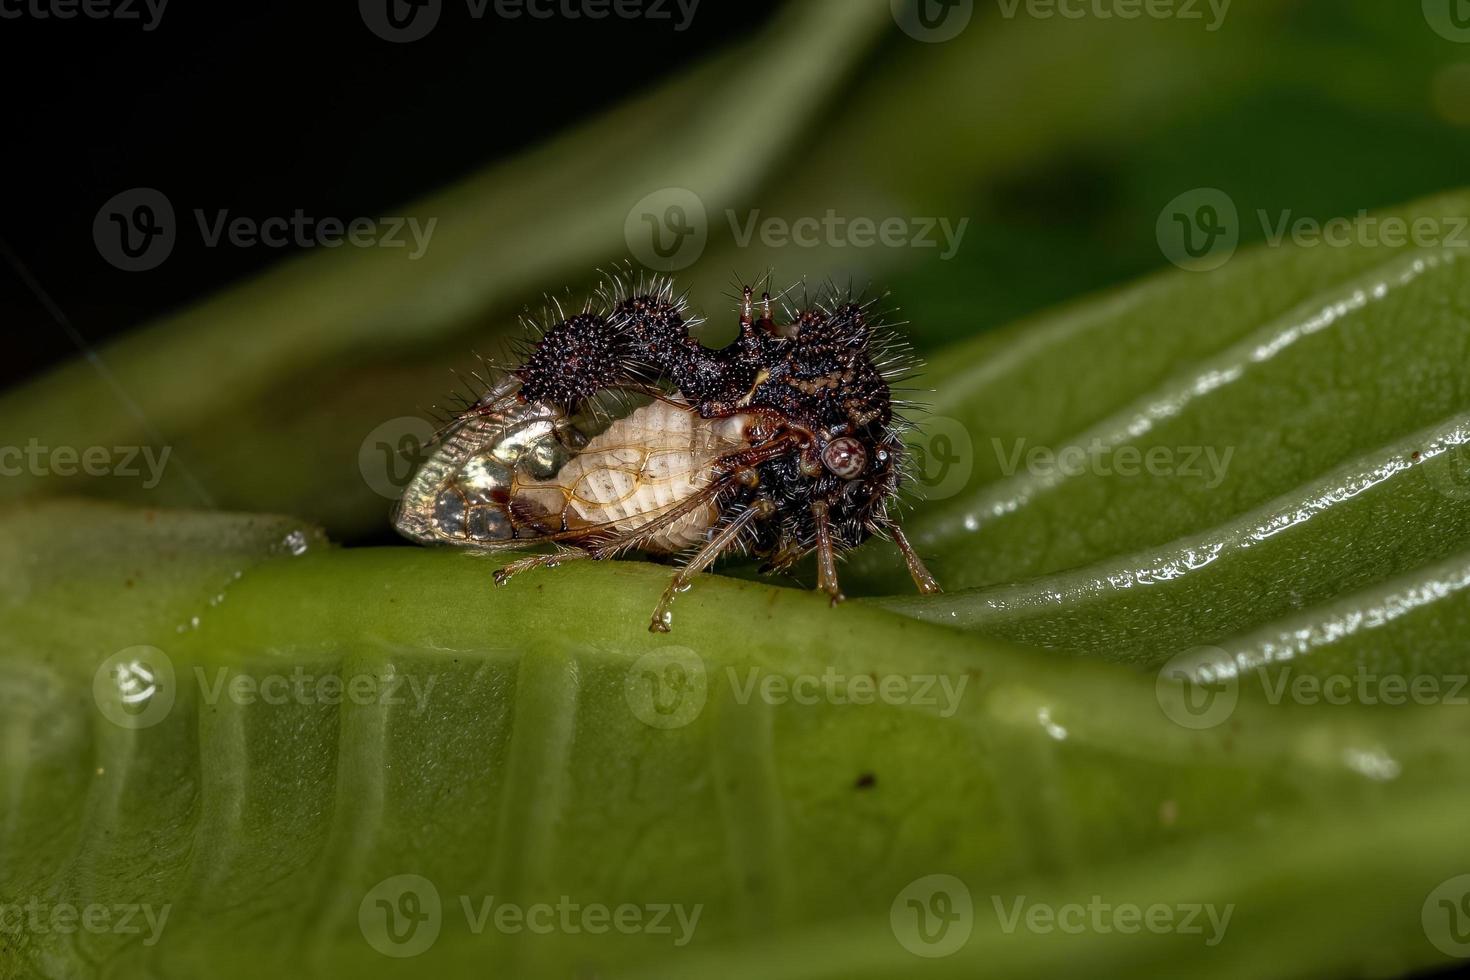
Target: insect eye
[845, 457]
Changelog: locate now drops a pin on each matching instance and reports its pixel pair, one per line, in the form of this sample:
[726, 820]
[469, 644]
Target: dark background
[270, 106]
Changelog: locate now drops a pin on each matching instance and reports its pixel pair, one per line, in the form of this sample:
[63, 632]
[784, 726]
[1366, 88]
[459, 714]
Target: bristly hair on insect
[614, 428]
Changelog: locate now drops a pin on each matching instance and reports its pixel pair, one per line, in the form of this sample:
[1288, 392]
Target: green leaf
[1304, 409]
[510, 743]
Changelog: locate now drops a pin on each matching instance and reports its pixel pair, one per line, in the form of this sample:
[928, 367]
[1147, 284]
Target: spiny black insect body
[812, 376]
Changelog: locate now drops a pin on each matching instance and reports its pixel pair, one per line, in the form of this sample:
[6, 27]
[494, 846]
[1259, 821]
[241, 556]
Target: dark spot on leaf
[865, 781]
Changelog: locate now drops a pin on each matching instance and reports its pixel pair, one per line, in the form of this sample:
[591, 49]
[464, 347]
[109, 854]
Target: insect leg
[503, 575]
[744, 459]
[911, 558]
[723, 539]
[787, 553]
[826, 554]
[750, 323]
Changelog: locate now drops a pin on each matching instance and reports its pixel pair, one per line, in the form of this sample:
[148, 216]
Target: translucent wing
[461, 493]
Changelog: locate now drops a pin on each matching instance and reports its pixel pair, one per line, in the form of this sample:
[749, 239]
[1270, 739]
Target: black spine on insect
[825, 373]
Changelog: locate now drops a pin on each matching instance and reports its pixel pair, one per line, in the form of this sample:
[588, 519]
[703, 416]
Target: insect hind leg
[505, 573]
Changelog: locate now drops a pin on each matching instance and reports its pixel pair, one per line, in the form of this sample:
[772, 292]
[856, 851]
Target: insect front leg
[826, 553]
[917, 571]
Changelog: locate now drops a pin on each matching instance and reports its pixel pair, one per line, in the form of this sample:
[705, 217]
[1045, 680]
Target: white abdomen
[643, 467]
